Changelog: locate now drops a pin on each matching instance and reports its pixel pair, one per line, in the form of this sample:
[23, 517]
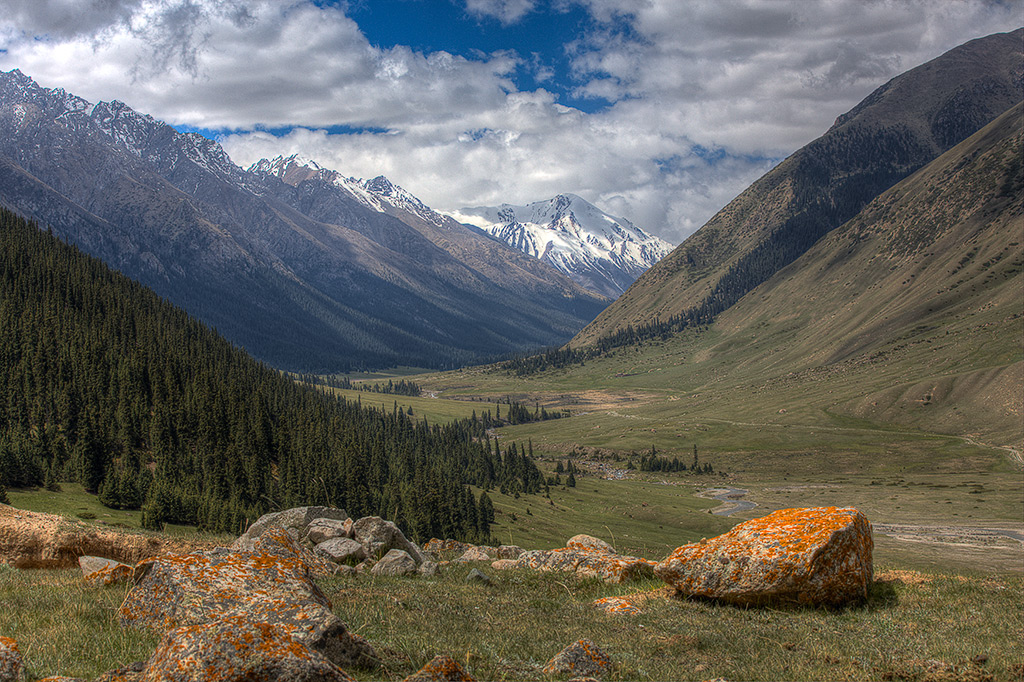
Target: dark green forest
[109, 385]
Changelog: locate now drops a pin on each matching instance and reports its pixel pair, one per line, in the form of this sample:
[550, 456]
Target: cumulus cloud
[695, 99]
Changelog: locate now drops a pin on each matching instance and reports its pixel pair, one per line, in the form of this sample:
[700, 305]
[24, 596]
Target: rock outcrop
[816, 556]
[587, 557]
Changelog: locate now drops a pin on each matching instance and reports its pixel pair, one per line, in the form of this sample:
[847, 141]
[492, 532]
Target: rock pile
[332, 541]
[585, 556]
[816, 556]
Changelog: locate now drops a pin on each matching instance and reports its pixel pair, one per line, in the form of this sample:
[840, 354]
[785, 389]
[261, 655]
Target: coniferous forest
[109, 385]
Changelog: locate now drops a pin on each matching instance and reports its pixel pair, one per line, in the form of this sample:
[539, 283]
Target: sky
[659, 111]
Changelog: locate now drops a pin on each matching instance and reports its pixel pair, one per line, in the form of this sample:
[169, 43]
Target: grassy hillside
[896, 130]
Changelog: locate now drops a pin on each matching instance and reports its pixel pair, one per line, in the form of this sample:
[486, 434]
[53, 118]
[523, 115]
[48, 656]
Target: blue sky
[660, 111]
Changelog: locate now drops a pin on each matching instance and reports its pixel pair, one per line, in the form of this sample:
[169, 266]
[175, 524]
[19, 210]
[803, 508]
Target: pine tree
[571, 481]
[3, 495]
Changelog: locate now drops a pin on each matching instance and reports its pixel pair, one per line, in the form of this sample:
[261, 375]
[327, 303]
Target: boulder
[440, 669]
[436, 546]
[341, 550]
[100, 571]
[236, 649]
[270, 586]
[429, 569]
[395, 562]
[502, 564]
[293, 520]
[581, 658]
[474, 554]
[378, 537]
[11, 666]
[321, 530]
[588, 543]
[816, 556]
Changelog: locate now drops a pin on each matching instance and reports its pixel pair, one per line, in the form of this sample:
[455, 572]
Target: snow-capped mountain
[378, 194]
[600, 252]
[305, 268]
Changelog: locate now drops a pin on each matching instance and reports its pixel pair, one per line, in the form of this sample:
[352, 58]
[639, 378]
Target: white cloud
[751, 79]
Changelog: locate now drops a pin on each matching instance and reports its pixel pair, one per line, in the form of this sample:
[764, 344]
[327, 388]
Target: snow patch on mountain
[601, 252]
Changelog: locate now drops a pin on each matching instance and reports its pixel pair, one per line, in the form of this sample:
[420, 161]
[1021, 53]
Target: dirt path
[964, 536]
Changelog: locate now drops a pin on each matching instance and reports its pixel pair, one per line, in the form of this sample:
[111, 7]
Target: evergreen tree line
[110, 386]
[402, 387]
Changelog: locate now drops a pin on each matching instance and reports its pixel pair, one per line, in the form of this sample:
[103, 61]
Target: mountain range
[896, 130]
[603, 253]
[305, 269]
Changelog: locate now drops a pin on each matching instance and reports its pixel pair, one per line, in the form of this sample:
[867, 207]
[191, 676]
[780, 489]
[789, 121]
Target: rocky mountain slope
[600, 252]
[896, 130]
[306, 274]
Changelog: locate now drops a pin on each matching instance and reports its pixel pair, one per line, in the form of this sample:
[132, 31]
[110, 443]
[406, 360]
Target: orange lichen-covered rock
[816, 556]
[235, 649]
[270, 586]
[10, 660]
[100, 571]
[617, 605]
[607, 566]
[441, 669]
[589, 543]
[580, 658]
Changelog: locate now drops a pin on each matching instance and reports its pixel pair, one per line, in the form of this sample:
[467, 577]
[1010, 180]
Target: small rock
[474, 554]
[581, 658]
[320, 530]
[128, 673]
[429, 569]
[510, 552]
[589, 543]
[341, 550]
[502, 564]
[477, 576]
[441, 669]
[395, 562]
[10, 661]
[980, 659]
[100, 571]
[293, 520]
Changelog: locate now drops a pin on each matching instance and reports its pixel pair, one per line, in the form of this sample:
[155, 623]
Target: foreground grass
[510, 629]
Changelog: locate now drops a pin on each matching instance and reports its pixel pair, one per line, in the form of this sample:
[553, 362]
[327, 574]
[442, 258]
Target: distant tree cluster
[109, 385]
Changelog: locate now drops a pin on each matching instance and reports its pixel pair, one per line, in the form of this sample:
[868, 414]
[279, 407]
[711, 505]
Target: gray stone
[341, 550]
[589, 543]
[478, 576]
[510, 551]
[395, 562]
[474, 554]
[429, 568]
[11, 666]
[320, 530]
[378, 537]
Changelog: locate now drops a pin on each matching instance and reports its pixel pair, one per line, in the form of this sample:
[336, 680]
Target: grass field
[508, 630]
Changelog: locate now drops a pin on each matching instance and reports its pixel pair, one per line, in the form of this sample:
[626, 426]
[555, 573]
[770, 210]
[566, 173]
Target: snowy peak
[378, 194]
[601, 252]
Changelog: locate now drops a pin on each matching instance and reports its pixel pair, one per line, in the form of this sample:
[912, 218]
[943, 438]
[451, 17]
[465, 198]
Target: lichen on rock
[815, 556]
